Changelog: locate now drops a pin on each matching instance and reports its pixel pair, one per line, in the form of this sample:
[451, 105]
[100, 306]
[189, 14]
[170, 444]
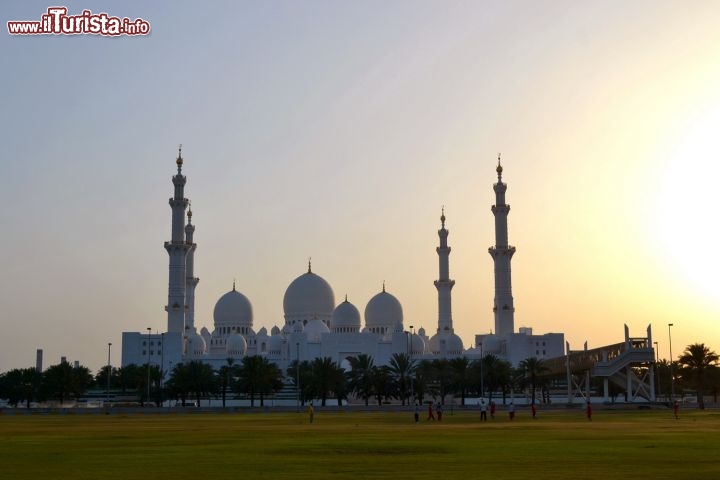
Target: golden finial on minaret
[442, 217]
[179, 160]
[499, 167]
[309, 264]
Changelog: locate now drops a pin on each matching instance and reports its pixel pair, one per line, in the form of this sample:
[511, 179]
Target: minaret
[177, 251]
[443, 284]
[190, 280]
[502, 254]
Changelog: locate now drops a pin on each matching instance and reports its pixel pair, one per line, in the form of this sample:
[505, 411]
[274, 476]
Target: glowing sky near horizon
[337, 130]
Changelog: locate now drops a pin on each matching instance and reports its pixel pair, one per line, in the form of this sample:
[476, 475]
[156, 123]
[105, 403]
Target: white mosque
[315, 325]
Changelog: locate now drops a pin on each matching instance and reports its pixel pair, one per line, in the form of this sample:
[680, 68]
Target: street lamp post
[162, 367]
[297, 375]
[657, 373]
[672, 379]
[148, 365]
[412, 392]
[109, 370]
[482, 379]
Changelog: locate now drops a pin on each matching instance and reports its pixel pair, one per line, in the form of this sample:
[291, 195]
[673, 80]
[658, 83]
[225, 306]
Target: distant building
[314, 325]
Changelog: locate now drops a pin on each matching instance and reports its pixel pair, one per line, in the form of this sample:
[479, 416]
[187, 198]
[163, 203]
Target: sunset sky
[337, 130]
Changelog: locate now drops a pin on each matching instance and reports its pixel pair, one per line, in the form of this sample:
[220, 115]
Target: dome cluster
[309, 310]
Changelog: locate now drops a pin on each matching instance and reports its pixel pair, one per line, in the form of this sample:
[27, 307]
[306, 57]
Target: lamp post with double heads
[672, 379]
[148, 365]
[109, 371]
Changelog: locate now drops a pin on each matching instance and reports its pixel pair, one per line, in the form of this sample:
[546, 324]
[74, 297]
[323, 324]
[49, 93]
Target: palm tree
[339, 384]
[402, 368]
[257, 375]
[532, 368]
[301, 372]
[21, 385]
[382, 383]
[324, 373]
[192, 377]
[461, 374]
[226, 376]
[443, 377]
[424, 379]
[496, 374]
[361, 376]
[63, 381]
[696, 362]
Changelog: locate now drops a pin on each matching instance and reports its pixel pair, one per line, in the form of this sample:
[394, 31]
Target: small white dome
[275, 330]
[275, 345]
[195, 346]
[261, 341]
[233, 309]
[346, 318]
[455, 345]
[446, 343]
[383, 310]
[417, 345]
[421, 332]
[314, 330]
[236, 346]
[308, 295]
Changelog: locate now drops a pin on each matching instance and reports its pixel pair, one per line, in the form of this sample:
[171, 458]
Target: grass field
[559, 444]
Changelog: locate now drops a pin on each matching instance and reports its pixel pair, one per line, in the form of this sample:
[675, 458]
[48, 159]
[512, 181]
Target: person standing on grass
[511, 411]
[483, 411]
[493, 407]
[431, 416]
[311, 412]
[417, 412]
[588, 411]
[676, 408]
[533, 409]
[438, 410]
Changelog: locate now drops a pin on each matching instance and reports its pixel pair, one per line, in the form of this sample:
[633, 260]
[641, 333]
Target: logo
[57, 22]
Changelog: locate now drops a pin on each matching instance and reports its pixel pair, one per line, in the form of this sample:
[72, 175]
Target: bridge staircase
[629, 365]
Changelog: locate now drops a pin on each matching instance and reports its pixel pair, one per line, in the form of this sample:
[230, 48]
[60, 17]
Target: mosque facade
[314, 324]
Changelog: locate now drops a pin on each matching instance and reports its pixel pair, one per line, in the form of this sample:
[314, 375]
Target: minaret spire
[443, 284]
[502, 252]
[191, 280]
[177, 249]
[179, 160]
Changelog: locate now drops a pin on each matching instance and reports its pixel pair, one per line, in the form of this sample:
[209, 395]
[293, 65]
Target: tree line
[403, 379]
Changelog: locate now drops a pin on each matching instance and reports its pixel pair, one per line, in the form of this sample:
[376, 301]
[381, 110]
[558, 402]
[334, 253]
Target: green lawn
[560, 444]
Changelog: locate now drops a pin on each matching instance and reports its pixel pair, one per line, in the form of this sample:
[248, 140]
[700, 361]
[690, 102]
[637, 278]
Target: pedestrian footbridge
[629, 365]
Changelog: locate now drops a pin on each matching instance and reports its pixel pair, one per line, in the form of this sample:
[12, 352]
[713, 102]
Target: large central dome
[233, 309]
[383, 310]
[308, 296]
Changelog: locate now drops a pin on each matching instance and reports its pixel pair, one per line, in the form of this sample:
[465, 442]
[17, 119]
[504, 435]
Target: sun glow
[685, 218]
